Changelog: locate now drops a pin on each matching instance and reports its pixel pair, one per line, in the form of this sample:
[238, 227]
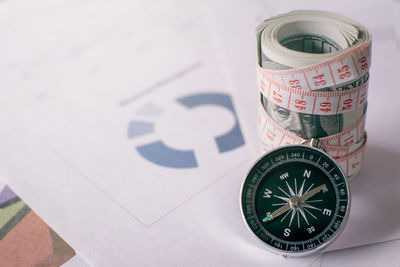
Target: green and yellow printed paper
[25, 239]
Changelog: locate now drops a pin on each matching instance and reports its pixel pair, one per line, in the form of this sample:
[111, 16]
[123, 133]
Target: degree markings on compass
[275, 231]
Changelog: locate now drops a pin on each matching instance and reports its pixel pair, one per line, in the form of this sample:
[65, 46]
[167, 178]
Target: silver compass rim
[320, 248]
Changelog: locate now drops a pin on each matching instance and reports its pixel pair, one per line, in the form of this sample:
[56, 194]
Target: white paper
[67, 102]
[375, 192]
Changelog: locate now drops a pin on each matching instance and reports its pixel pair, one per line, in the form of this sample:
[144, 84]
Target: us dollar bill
[309, 126]
[316, 43]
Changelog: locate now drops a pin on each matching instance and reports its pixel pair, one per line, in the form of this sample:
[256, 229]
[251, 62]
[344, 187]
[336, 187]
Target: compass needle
[287, 213]
[309, 188]
[277, 213]
[295, 198]
[312, 193]
[303, 203]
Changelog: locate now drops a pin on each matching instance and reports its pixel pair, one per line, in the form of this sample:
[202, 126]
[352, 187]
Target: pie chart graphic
[158, 152]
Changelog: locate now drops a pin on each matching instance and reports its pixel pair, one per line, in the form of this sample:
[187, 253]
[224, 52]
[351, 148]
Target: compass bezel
[303, 252]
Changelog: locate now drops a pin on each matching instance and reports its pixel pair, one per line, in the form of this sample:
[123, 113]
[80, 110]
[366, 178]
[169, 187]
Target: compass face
[295, 199]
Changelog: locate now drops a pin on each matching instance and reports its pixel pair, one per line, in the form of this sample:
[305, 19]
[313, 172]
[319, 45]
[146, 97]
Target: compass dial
[295, 199]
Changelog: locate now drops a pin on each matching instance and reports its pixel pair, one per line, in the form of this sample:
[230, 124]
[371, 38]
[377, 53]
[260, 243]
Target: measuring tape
[311, 102]
[312, 74]
[347, 152]
[315, 64]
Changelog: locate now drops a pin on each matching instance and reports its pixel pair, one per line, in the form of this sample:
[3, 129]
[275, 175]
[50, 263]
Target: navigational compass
[295, 199]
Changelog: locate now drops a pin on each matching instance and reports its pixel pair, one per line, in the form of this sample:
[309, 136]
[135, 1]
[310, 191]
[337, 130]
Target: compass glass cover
[295, 199]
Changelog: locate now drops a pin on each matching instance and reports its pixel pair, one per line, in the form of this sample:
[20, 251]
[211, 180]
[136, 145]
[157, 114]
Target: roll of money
[311, 63]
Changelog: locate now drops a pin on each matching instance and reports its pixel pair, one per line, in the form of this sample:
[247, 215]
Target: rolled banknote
[302, 38]
[310, 126]
[313, 79]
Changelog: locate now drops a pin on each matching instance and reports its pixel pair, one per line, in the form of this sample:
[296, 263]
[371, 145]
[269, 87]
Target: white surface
[381, 254]
[64, 136]
[372, 199]
[76, 261]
